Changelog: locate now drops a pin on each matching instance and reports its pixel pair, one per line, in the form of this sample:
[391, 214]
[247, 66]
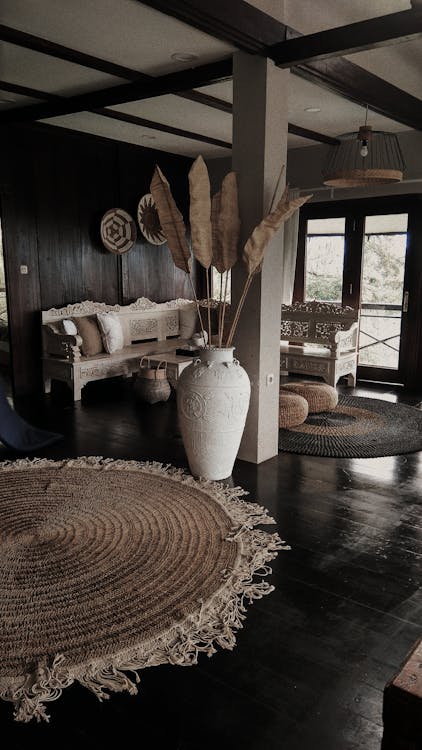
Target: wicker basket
[152, 384]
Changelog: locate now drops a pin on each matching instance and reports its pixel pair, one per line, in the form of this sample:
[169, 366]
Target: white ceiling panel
[337, 115]
[8, 101]
[121, 31]
[402, 63]
[274, 8]
[129, 33]
[27, 68]
[223, 90]
[184, 114]
[296, 141]
[141, 136]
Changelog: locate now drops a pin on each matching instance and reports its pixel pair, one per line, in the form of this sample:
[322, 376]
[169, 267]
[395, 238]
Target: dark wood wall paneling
[55, 186]
[74, 184]
[147, 267]
[19, 229]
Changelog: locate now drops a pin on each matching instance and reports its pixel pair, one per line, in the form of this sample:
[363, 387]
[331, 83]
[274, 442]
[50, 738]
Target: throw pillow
[111, 331]
[89, 332]
[69, 327]
[188, 320]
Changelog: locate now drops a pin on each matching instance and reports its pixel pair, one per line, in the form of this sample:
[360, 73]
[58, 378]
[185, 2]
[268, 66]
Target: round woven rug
[111, 566]
[357, 428]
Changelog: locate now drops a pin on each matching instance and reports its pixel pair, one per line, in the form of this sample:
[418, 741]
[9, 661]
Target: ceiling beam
[59, 52]
[234, 20]
[160, 127]
[14, 88]
[345, 40]
[360, 86]
[171, 83]
[312, 135]
[208, 101]
[115, 115]
[133, 119]
[338, 75]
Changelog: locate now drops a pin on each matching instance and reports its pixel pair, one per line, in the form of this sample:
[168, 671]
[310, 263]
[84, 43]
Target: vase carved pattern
[213, 401]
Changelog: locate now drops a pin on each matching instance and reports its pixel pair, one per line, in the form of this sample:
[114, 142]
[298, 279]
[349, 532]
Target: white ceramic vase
[212, 402]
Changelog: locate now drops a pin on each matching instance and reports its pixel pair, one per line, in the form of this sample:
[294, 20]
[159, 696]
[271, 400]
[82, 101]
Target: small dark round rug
[357, 428]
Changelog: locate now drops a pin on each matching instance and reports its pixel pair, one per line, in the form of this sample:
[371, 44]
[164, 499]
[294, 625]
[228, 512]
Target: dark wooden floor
[311, 663]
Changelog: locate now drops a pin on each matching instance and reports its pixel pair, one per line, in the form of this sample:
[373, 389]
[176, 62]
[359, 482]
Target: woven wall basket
[118, 231]
[107, 567]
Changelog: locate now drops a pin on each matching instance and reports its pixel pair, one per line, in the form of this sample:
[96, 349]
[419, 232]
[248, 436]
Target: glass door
[324, 260]
[361, 254]
[382, 282]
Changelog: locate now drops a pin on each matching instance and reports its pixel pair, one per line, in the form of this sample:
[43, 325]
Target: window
[324, 259]
[218, 285]
[384, 256]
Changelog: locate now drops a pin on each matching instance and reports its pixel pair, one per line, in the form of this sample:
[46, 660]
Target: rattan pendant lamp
[368, 157]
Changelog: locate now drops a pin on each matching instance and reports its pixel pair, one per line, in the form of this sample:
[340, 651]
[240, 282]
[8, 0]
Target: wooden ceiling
[114, 68]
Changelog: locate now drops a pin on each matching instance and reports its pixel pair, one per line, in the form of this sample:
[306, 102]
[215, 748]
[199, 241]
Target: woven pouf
[292, 410]
[320, 396]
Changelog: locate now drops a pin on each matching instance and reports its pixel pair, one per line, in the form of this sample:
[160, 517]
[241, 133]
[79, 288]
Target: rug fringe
[214, 624]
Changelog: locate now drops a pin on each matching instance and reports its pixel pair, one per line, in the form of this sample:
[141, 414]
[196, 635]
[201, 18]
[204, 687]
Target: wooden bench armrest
[347, 339]
[61, 345]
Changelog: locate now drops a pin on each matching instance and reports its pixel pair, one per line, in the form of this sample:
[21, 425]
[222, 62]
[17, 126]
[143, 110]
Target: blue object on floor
[18, 434]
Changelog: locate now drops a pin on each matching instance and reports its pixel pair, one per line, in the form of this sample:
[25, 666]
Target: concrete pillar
[260, 99]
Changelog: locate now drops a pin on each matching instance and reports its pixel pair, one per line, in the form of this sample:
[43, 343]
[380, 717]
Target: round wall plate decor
[149, 222]
[118, 231]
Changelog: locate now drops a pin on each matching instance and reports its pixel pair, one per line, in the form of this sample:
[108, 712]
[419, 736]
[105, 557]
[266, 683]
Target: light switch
[23, 270]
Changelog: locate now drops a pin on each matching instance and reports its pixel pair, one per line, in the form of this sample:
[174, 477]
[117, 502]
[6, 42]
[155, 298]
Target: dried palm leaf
[271, 206]
[228, 224]
[171, 221]
[253, 252]
[200, 212]
[216, 238]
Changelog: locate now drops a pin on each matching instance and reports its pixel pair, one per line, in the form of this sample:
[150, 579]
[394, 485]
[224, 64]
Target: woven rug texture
[357, 428]
[111, 566]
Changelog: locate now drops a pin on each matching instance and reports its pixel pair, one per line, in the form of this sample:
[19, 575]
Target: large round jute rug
[111, 566]
[357, 428]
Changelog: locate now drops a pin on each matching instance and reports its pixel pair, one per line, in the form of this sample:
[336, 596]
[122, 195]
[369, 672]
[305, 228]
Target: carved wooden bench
[147, 327]
[319, 339]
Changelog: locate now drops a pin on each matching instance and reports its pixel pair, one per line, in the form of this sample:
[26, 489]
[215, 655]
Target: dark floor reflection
[313, 657]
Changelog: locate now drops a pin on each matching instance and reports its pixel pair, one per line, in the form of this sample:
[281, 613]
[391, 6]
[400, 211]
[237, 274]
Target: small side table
[175, 364]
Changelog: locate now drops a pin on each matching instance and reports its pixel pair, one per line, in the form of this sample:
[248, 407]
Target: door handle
[405, 302]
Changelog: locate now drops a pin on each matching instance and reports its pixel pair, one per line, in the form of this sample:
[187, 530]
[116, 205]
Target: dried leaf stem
[198, 309]
[223, 315]
[241, 302]
[220, 309]
[207, 274]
